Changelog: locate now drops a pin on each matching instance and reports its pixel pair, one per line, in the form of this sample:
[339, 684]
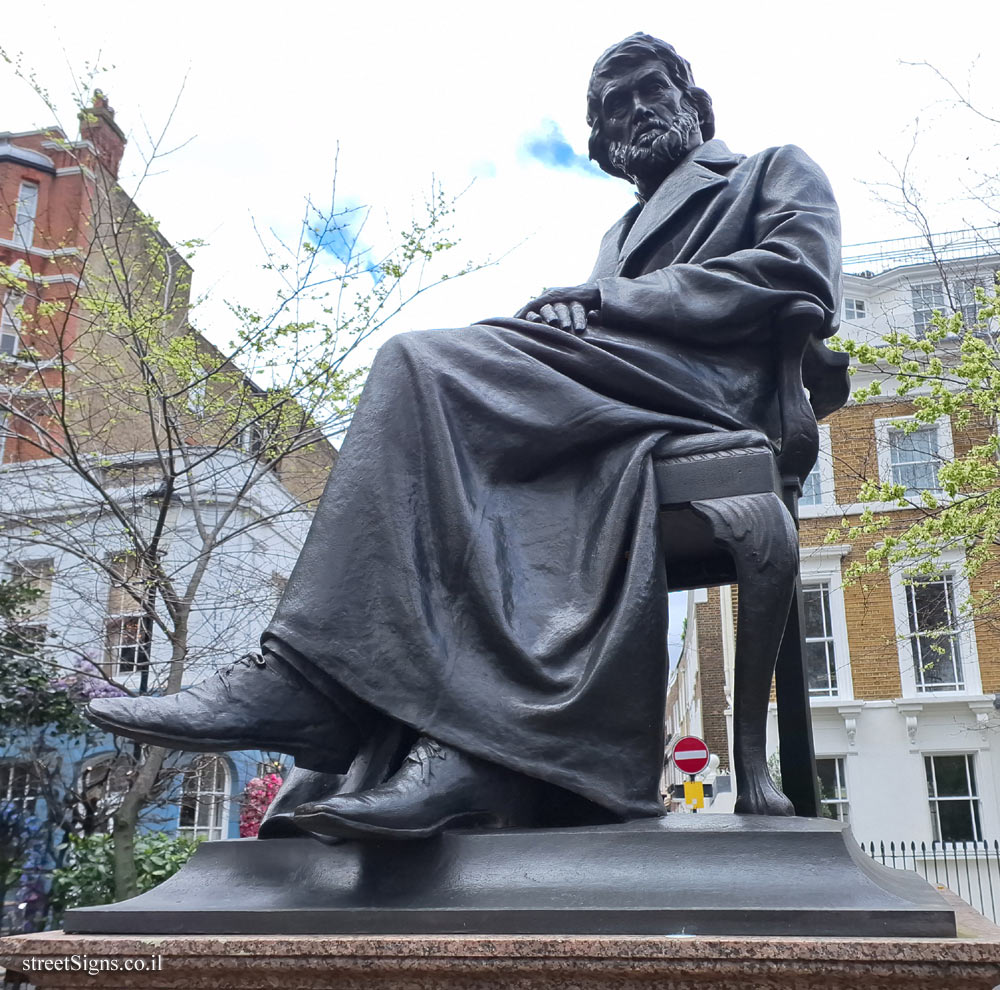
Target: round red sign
[690, 754]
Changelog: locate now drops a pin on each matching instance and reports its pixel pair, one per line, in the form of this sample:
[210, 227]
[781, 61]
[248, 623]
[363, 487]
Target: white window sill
[816, 511]
[857, 508]
[963, 697]
[833, 702]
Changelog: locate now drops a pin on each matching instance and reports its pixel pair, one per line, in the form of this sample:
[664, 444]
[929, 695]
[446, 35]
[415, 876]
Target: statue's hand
[565, 308]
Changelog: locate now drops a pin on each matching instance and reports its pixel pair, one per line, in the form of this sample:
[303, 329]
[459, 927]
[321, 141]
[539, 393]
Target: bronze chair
[729, 515]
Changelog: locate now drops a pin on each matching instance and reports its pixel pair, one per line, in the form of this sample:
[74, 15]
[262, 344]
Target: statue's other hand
[565, 308]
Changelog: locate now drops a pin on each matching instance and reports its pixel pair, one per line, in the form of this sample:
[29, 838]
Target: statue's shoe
[254, 703]
[438, 787]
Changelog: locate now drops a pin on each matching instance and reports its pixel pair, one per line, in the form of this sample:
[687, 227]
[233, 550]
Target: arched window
[204, 799]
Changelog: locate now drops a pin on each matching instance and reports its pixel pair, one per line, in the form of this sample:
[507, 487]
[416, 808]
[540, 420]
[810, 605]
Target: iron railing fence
[876, 257]
[969, 869]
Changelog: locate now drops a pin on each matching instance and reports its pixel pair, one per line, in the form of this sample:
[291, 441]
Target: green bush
[87, 874]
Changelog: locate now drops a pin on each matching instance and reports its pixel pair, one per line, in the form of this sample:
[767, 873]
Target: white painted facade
[246, 567]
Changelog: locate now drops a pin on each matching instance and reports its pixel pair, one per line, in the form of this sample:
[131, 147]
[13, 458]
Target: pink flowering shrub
[257, 798]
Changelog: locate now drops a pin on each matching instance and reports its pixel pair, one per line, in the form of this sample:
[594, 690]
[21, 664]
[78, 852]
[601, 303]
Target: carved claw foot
[761, 797]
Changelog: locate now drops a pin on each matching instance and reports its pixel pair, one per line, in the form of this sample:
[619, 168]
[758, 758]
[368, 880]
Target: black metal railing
[876, 257]
[970, 869]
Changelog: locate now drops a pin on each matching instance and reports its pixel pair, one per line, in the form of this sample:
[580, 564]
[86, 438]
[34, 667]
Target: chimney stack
[97, 125]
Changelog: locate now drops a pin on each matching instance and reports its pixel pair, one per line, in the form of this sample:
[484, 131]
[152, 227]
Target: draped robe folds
[485, 564]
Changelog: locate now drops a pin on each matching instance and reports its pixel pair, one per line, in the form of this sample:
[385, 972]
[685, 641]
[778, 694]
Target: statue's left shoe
[437, 788]
[256, 702]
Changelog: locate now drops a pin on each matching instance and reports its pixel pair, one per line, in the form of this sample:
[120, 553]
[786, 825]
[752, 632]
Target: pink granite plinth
[522, 962]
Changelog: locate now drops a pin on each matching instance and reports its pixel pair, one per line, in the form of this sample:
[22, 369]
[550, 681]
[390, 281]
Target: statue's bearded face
[648, 122]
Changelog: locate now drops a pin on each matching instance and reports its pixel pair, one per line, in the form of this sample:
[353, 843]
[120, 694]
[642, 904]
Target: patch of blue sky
[483, 169]
[549, 146]
[339, 234]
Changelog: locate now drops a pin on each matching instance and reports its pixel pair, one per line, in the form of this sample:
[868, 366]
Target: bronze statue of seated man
[480, 607]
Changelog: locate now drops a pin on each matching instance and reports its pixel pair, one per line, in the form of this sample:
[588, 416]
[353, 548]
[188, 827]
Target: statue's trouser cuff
[370, 722]
[365, 717]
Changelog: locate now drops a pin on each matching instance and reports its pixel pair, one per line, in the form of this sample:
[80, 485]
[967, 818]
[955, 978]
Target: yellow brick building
[903, 683]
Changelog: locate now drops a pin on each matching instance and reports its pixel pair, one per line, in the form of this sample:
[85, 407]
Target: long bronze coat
[484, 565]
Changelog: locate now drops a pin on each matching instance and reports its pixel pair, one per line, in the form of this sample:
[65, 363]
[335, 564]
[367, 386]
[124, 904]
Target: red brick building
[51, 191]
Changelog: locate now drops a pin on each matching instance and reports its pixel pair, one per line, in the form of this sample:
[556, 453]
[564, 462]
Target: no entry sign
[690, 754]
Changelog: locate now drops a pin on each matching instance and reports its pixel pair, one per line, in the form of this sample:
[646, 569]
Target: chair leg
[758, 532]
[798, 760]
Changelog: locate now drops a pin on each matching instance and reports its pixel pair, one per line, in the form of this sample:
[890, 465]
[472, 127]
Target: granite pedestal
[520, 962]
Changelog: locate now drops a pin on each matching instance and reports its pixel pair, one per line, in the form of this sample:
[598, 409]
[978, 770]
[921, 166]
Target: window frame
[196, 396]
[117, 623]
[823, 564]
[886, 426]
[221, 796]
[916, 636]
[950, 562]
[851, 304]
[252, 441]
[10, 322]
[922, 315]
[25, 219]
[967, 305]
[958, 287]
[842, 805]
[39, 572]
[975, 799]
[823, 470]
[901, 458]
[809, 587]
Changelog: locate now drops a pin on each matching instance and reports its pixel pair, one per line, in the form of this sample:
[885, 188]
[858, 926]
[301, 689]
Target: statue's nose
[640, 107]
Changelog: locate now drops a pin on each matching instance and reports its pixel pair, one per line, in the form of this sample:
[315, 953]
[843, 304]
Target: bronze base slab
[679, 875]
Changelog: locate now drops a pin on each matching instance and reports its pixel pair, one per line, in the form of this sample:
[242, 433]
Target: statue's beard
[653, 155]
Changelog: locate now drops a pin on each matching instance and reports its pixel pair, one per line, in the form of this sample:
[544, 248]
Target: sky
[267, 103]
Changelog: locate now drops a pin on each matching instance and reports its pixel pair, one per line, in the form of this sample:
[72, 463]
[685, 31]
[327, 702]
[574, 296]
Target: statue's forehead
[626, 76]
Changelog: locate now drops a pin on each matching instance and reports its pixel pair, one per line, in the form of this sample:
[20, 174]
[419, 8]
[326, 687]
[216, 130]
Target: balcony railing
[876, 257]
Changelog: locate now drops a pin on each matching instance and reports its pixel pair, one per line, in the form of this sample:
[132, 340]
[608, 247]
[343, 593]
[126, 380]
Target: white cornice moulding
[41, 252]
[75, 170]
[51, 279]
[54, 279]
[63, 145]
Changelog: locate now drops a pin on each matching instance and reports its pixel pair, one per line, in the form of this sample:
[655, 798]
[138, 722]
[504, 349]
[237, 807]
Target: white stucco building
[904, 685]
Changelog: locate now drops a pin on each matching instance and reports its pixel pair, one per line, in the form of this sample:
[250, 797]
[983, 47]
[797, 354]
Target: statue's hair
[633, 51]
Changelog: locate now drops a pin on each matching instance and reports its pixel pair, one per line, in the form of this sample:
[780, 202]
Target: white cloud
[410, 90]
